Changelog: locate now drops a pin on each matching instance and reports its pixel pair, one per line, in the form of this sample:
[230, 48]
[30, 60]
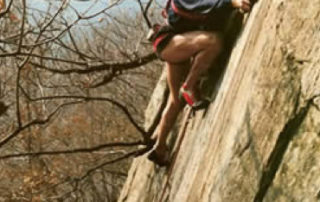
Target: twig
[73, 151]
[7, 9]
[84, 98]
[144, 12]
[118, 66]
[34, 123]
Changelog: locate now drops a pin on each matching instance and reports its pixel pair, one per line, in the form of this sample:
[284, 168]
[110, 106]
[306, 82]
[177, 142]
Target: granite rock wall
[260, 138]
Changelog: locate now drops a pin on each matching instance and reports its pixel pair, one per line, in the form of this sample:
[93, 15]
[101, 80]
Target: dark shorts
[179, 25]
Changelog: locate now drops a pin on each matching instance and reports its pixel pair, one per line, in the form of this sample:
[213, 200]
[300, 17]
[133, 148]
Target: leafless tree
[73, 87]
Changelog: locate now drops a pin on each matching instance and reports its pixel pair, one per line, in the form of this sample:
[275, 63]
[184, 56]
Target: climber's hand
[243, 5]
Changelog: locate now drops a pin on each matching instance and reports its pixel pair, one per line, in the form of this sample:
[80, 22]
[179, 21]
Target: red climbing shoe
[190, 98]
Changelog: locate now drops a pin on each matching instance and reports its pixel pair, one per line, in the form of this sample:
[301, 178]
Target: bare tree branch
[18, 114]
[34, 123]
[118, 66]
[91, 171]
[7, 10]
[144, 12]
[130, 154]
[22, 25]
[84, 98]
[68, 27]
[57, 49]
[73, 151]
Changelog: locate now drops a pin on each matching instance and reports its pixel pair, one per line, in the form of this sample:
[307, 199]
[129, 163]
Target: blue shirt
[202, 6]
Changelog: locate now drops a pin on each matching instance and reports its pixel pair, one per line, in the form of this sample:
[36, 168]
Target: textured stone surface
[259, 140]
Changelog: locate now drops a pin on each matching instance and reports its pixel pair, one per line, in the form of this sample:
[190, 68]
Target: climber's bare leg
[202, 46]
[175, 75]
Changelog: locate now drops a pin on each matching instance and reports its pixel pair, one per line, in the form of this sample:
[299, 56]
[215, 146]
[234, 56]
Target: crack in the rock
[248, 143]
[276, 157]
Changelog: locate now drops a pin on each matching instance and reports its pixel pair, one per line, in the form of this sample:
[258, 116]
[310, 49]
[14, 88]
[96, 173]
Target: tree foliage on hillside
[73, 87]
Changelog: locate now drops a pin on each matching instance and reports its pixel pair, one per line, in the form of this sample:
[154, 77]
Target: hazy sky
[129, 6]
[82, 5]
[125, 7]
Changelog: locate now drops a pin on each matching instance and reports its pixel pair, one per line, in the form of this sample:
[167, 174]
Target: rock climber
[189, 42]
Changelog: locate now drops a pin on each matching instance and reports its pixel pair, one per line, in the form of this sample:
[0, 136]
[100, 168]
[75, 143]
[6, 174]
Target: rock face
[260, 139]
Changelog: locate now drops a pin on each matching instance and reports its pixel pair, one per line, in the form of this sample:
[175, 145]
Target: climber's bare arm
[243, 5]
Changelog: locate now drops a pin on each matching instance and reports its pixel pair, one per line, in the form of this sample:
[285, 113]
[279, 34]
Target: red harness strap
[158, 40]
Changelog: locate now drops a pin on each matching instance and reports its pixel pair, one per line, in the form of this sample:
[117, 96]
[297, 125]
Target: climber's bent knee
[184, 46]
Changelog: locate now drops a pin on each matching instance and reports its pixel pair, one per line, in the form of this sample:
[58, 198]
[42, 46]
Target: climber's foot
[192, 98]
[150, 143]
[159, 158]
